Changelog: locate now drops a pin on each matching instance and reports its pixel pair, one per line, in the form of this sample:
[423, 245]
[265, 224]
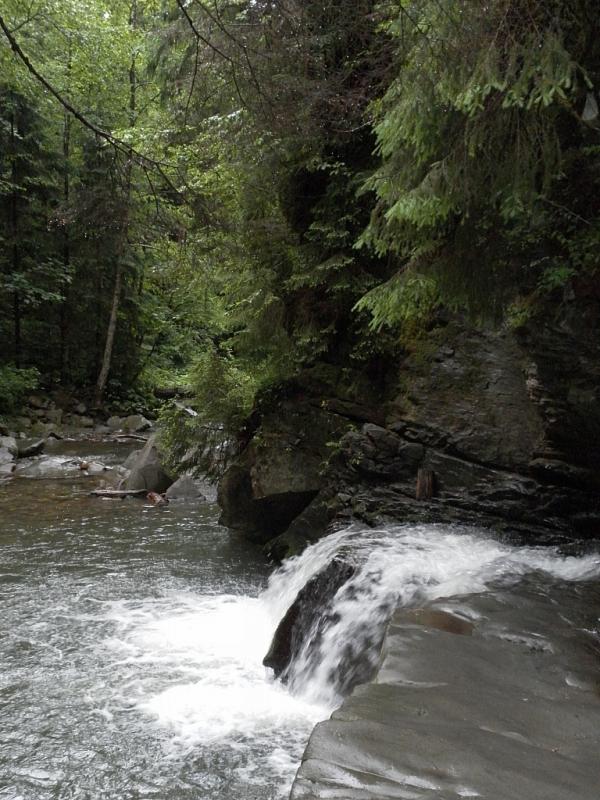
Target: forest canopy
[224, 192]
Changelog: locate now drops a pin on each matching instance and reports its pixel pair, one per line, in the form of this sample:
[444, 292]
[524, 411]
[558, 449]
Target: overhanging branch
[119, 145]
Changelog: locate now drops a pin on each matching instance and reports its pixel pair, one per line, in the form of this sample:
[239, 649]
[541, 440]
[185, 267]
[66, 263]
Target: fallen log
[135, 436]
[119, 493]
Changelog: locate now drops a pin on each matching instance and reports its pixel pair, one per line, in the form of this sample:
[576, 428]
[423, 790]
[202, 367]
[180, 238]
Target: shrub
[14, 385]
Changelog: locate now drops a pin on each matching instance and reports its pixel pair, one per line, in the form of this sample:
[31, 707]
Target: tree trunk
[116, 300]
[110, 336]
[64, 307]
[16, 253]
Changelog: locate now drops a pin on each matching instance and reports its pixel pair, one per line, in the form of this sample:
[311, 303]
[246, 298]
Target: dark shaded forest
[215, 195]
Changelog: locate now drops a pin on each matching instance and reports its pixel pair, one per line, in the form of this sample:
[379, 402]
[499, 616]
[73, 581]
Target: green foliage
[223, 392]
[202, 437]
[478, 130]
[406, 297]
[15, 384]
[317, 176]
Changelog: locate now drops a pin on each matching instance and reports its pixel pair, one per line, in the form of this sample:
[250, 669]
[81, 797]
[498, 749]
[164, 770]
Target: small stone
[135, 423]
[37, 402]
[9, 443]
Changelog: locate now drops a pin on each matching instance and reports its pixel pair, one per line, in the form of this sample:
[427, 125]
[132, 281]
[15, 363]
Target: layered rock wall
[503, 425]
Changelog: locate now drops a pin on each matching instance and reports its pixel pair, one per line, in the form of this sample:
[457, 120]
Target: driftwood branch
[119, 493]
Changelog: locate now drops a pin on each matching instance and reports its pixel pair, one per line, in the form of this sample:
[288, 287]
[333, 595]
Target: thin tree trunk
[64, 307]
[16, 254]
[110, 336]
[116, 299]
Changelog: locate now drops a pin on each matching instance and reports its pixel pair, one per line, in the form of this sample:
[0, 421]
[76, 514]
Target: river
[132, 637]
[130, 648]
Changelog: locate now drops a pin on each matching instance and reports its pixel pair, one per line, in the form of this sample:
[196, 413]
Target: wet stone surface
[496, 695]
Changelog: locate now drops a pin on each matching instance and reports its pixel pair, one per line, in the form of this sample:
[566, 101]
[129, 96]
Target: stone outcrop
[504, 425]
[147, 471]
[492, 696]
[279, 472]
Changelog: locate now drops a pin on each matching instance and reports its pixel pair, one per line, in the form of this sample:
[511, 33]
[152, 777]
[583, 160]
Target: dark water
[130, 648]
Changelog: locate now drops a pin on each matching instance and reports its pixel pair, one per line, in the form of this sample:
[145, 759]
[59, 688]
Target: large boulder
[186, 488]
[147, 472]
[9, 443]
[131, 459]
[6, 469]
[280, 470]
[136, 423]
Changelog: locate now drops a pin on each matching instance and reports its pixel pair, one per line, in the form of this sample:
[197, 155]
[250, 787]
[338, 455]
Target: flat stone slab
[501, 704]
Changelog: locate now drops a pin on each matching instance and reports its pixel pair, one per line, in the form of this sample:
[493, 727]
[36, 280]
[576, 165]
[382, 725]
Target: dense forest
[218, 194]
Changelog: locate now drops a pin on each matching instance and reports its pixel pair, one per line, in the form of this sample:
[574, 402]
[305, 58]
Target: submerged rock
[300, 625]
[48, 467]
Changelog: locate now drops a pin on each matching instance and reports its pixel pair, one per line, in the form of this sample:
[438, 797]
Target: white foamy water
[214, 688]
[131, 650]
[398, 565]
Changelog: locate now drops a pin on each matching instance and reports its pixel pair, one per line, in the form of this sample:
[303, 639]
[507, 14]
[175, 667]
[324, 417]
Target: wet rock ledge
[494, 697]
[496, 428]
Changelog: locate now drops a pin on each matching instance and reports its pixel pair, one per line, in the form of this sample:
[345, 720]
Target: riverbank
[473, 425]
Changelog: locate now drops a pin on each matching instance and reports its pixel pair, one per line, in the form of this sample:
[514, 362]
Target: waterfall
[407, 565]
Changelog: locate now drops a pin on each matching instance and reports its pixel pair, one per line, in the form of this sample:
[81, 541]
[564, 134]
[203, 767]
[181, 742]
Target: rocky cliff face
[497, 427]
